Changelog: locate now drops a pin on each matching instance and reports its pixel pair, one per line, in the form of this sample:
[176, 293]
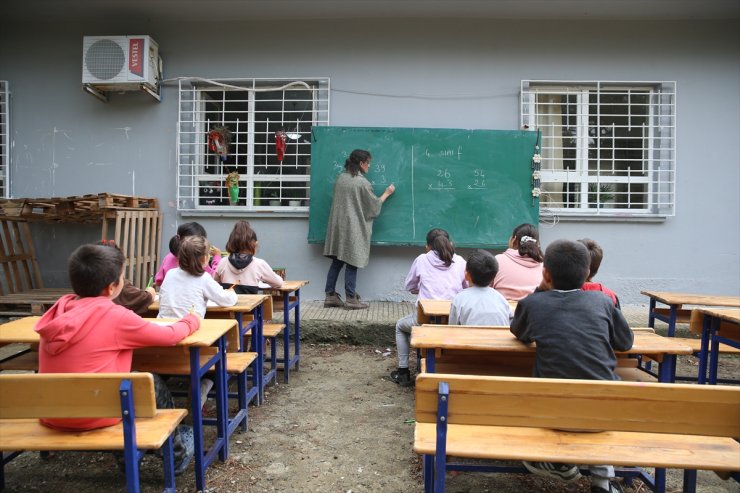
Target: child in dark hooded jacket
[243, 268]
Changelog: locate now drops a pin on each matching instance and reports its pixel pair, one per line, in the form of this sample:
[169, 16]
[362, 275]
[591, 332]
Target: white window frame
[266, 185]
[4, 140]
[595, 186]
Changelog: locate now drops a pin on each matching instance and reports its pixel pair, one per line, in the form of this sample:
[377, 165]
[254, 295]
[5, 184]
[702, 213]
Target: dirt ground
[339, 426]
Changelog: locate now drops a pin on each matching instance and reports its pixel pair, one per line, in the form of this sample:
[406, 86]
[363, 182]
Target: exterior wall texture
[424, 73]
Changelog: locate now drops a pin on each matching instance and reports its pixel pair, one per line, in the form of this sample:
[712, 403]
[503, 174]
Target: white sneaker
[206, 385]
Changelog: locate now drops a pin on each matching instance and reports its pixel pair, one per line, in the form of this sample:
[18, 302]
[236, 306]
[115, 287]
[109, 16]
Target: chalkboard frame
[408, 157]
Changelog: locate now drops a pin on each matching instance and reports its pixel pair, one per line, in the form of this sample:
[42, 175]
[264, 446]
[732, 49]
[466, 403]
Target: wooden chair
[129, 396]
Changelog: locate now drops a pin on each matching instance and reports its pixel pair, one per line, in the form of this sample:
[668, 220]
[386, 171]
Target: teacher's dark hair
[352, 164]
[439, 241]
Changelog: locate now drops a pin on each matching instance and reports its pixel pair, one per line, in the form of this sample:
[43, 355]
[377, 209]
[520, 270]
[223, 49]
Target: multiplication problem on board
[376, 174]
[478, 180]
[442, 180]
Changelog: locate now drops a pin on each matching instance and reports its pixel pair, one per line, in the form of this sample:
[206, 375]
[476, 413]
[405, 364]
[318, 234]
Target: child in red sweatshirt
[86, 332]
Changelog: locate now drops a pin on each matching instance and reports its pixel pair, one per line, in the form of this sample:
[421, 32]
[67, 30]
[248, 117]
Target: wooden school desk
[286, 290]
[718, 326]
[210, 332]
[675, 313]
[438, 311]
[438, 338]
[247, 304]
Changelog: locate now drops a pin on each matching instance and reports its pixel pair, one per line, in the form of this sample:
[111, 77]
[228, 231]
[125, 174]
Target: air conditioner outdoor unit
[121, 63]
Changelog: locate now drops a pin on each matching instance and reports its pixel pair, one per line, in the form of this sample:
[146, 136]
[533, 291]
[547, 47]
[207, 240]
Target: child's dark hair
[190, 256]
[568, 264]
[242, 239]
[482, 267]
[352, 164]
[528, 241]
[183, 231]
[439, 241]
[93, 267]
[597, 255]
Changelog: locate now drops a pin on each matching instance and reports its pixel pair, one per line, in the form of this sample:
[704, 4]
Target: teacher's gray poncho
[353, 209]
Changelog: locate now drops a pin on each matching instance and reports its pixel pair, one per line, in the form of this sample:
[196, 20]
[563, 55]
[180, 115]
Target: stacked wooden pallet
[135, 223]
[81, 209]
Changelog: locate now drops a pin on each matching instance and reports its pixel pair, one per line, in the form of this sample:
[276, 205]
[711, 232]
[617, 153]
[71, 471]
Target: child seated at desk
[480, 304]
[135, 299]
[520, 266]
[597, 254]
[170, 260]
[186, 288]
[576, 333]
[437, 274]
[86, 332]
[243, 270]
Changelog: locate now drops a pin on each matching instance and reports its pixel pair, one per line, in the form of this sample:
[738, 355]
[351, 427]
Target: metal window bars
[257, 114]
[4, 140]
[608, 148]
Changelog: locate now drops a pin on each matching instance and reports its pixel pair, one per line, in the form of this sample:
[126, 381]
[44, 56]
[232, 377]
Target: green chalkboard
[476, 184]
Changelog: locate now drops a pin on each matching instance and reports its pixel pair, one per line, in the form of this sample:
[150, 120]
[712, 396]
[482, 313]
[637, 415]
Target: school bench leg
[428, 472]
[659, 480]
[168, 460]
[689, 481]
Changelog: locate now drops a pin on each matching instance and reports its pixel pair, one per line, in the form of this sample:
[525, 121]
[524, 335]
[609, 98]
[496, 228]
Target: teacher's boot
[354, 303]
[333, 300]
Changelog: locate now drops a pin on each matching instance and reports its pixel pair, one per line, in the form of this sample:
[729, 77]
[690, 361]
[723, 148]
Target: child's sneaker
[402, 377]
[185, 449]
[564, 472]
[613, 488]
[206, 385]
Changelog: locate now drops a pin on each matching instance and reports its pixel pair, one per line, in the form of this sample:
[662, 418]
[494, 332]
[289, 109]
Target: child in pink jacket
[520, 266]
[86, 332]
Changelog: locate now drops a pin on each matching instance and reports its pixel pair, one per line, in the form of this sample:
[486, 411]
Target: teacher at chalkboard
[353, 209]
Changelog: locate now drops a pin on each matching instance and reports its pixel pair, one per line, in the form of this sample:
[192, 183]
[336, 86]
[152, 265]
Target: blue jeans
[350, 277]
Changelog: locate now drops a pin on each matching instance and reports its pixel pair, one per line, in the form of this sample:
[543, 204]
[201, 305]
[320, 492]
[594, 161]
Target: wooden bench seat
[130, 396]
[622, 423]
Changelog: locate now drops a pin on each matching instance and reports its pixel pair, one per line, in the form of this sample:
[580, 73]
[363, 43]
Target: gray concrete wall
[462, 73]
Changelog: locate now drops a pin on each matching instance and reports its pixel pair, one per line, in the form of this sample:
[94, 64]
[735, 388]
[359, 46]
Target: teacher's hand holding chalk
[388, 192]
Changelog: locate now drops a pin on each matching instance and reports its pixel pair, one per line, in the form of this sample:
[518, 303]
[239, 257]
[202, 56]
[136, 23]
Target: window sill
[547, 217]
[242, 213]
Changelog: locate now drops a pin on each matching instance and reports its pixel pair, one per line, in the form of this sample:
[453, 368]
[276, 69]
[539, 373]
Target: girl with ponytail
[438, 274]
[520, 266]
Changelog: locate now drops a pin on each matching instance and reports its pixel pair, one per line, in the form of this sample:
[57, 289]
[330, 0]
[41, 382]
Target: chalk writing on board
[478, 181]
[454, 153]
[443, 180]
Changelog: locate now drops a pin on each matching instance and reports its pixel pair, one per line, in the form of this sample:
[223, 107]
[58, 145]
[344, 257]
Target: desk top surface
[670, 298]
[726, 314]
[210, 330]
[246, 303]
[437, 308]
[289, 286]
[477, 338]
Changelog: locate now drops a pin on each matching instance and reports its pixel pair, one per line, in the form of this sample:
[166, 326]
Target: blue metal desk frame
[288, 361]
[220, 447]
[709, 336]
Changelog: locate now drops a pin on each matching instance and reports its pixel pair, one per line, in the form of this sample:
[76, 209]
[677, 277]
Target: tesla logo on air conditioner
[136, 46]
